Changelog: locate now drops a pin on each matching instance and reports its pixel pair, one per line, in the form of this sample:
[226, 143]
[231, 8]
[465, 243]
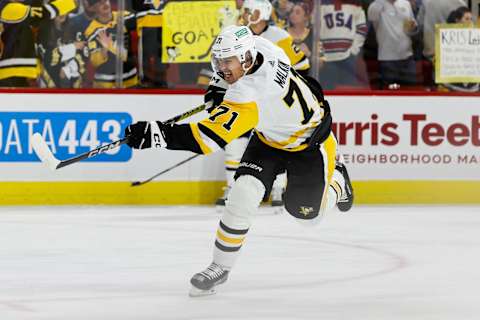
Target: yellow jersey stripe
[278, 146]
[150, 21]
[283, 144]
[330, 146]
[288, 47]
[196, 134]
[26, 72]
[329, 150]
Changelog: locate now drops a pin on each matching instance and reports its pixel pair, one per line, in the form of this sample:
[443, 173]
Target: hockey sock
[227, 244]
[242, 203]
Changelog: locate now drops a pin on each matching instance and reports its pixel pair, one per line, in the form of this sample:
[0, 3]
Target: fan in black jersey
[62, 59]
[18, 60]
[105, 49]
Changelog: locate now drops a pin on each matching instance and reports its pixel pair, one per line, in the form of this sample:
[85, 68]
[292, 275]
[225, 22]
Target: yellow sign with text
[190, 27]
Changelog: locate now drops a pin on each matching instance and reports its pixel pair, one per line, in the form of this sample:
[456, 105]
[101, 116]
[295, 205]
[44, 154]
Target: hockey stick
[139, 183]
[46, 156]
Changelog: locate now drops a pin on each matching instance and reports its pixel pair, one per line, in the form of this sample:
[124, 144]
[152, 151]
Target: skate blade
[195, 292]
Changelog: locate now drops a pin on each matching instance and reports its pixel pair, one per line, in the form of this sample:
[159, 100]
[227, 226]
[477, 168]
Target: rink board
[399, 149]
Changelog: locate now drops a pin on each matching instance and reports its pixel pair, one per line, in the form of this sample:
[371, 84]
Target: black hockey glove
[144, 135]
[213, 97]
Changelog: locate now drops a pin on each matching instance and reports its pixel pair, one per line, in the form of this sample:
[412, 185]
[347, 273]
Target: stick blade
[43, 152]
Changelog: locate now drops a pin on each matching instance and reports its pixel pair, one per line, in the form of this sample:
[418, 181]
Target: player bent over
[291, 122]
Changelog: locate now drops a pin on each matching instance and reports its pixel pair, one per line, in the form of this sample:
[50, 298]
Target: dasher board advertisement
[398, 149]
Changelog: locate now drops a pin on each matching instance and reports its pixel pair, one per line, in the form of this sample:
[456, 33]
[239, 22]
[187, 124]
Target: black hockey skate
[205, 282]
[346, 201]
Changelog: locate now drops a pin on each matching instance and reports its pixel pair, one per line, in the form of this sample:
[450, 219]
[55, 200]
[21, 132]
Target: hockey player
[292, 132]
[256, 15]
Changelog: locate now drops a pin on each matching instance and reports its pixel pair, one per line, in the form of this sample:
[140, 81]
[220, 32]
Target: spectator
[62, 60]
[461, 15]
[343, 30]
[417, 39]
[300, 28]
[394, 25]
[153, 73]
[104, 48]
[416, 4]
[281, 10]
[18, 63]
[433, 12]
[256, 15]
[77, 24]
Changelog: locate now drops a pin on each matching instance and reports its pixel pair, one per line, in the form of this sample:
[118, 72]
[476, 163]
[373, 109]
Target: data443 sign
[190, 27]
[66, 134]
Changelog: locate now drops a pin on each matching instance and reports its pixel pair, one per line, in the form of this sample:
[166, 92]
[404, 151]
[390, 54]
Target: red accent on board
[350, 92]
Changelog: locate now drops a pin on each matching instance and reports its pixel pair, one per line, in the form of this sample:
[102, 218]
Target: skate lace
[345, 194]
[344, 197]
[213, 271]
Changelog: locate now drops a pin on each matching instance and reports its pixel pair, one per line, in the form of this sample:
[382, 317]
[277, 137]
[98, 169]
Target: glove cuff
[158, 140]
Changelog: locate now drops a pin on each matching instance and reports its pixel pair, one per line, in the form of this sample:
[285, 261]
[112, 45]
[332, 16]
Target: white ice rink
[115, 263]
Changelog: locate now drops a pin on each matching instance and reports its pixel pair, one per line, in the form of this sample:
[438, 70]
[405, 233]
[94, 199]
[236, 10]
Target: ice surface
[112, 263]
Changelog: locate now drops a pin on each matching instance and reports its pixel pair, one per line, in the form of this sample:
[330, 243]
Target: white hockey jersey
[273, 99]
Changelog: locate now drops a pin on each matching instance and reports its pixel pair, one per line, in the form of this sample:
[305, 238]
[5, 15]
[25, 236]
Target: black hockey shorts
[308, 173]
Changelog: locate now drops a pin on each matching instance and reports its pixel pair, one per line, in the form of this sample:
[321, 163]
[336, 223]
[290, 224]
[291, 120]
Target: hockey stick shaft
[139, 183]
[46, 155]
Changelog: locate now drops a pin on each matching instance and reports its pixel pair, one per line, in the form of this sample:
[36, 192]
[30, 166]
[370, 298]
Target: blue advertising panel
[67, 134]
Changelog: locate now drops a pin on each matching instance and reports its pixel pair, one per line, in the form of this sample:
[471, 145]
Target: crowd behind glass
[351, 44]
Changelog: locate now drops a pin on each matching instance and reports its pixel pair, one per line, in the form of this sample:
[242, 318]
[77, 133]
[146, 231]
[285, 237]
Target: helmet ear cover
[248, 63]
